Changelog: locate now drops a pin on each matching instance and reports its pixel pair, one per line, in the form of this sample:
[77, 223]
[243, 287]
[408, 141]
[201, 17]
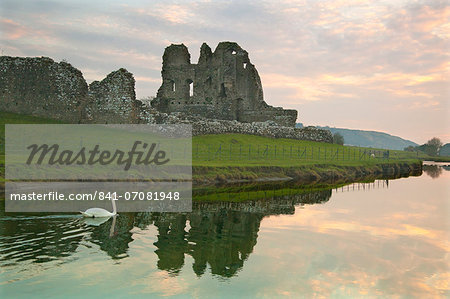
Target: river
[388, 238]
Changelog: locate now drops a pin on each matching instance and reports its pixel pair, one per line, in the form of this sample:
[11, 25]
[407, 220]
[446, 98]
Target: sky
[371, 65]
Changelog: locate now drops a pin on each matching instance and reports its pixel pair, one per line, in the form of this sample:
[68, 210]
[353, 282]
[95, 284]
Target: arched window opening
[191, 87]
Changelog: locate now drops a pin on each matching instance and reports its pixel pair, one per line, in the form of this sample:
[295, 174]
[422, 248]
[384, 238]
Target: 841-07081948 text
[128, 195]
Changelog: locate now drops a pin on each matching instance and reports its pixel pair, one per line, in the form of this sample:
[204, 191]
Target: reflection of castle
[222, 234]
[223, 239]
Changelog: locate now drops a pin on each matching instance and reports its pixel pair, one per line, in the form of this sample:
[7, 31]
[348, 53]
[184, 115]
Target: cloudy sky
[373, 65]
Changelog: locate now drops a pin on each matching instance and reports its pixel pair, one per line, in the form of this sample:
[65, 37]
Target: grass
[247, 156]
[228, 157]
[248, 150]
[237, 157]
[13, 118]
[238, 150]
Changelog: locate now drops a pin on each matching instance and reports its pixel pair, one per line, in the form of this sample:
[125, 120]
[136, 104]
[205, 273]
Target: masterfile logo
[70, 168]
[95, 155]
[98, 152]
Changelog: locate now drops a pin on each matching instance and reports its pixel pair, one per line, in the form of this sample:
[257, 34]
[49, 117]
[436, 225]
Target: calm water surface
[385, 239]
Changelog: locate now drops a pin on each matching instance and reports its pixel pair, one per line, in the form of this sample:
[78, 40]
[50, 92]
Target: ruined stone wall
[113, 100]
[41, 87]
[224, 84]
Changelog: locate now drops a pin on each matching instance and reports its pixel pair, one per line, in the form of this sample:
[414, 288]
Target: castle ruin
[222, 93]
[39, 86]
[224, 84]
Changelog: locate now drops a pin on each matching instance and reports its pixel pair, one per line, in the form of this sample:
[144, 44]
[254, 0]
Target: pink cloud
[13, 30]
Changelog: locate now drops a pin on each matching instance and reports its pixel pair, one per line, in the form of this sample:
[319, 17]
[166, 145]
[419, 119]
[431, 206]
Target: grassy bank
[306, 174]
[236, 157]
[250, 150]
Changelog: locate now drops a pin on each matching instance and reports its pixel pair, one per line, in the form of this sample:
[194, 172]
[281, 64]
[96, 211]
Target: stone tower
[224, 84]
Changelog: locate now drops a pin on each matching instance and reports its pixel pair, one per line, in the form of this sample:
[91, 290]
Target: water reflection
[434, 171]
[221, 238]
[113, 236]
[38, 239]
[373, 239]
[379, 184]
[221, 235]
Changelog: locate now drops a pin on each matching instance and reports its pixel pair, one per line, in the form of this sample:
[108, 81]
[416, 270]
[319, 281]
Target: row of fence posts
[377, 184]
[265, 194]
[233, 152]
[272, 193]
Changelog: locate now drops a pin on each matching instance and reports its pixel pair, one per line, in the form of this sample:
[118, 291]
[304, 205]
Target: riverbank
[238, 158]
[305, 174]
[234, 158]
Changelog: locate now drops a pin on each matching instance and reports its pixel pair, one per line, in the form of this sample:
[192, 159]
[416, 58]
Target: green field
[237, 156]
[250, 150]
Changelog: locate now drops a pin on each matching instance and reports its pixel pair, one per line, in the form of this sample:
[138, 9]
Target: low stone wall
[282, 117]
[261, 129]
[266, 129]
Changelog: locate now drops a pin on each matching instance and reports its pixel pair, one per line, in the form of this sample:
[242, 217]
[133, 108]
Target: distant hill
[370, 138]
[445, 150]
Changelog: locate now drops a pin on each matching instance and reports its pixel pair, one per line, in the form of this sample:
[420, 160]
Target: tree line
[432, 147]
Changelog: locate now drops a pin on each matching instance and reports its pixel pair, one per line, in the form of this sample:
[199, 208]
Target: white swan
[99, 212]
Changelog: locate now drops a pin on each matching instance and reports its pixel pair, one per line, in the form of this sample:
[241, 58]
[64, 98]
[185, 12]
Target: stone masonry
[221, 94]
[224, 84]
[113, 99]
[42, 87]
